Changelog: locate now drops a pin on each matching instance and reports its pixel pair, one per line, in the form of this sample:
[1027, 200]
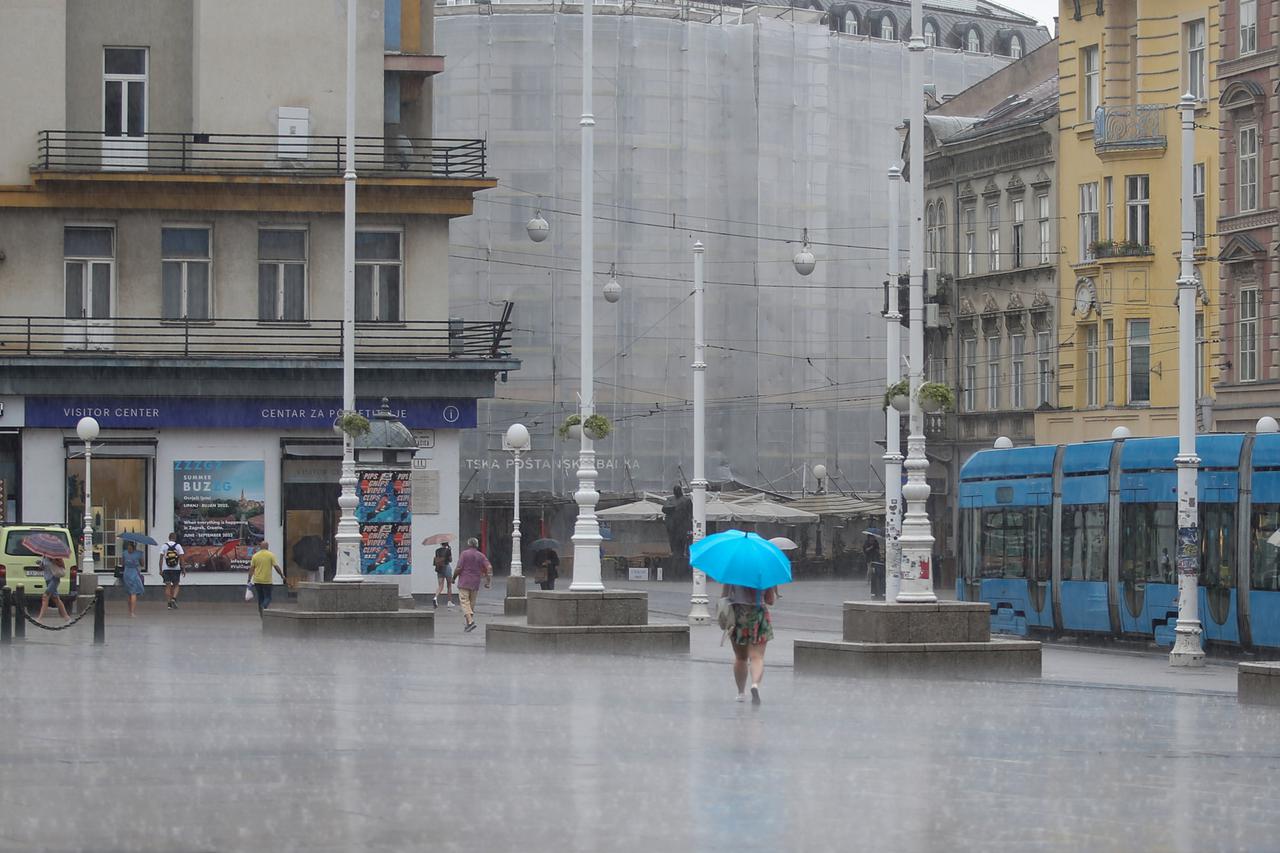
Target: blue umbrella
[742, 559]
[140, 538]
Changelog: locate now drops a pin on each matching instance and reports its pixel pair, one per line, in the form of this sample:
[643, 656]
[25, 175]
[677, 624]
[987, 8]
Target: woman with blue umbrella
[750, 569]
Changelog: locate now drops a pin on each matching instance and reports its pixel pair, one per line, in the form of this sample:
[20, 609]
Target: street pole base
[1186, 648]
[698, 614]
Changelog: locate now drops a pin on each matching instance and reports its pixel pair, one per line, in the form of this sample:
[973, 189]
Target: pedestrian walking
[443, 562]
[132, 575]
[546, 567]
[54, 570]
[171, 570]
[473, 567]
[260, 566]
[751, 632]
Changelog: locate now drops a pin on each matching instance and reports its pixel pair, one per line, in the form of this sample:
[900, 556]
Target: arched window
[851, 23]
[973, 41]
[931, 236]
[1015, 47]
[887, 28]
[941, 242]
[930, 34]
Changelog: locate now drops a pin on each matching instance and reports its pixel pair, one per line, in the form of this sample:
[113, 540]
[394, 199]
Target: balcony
[257, 154]
[1131, 129]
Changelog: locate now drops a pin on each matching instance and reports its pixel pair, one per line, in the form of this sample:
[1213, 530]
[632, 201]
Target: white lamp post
[892, 417]
[347, 537]
[916, 538]
[1187, 650]
[87, 429]
[517, 441]
[698, 614]
[820, 474]
[586, 530]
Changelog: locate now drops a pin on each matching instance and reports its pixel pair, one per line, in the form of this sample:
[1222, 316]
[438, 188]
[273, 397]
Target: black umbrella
[544, 545]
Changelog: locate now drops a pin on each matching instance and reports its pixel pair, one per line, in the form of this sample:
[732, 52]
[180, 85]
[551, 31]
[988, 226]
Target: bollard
[6, 616]
[99, 618]
[20, 614]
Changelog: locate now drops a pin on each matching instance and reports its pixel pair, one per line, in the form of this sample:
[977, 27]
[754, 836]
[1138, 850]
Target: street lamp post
[517, 441]
[586, 530]
[917, 538]
[1187, 650]
[87, 429]
[698, 614]
[892, 418]
[347, 537]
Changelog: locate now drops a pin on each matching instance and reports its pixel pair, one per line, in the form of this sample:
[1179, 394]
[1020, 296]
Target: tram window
[1014, 542]
[970, 553]
[1264, 532]
[1147, 533]
[1084, 542]
[1217, 545]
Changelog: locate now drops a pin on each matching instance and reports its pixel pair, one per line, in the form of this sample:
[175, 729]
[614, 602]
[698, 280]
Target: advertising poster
[218, 512]
[384, 497]
[384, 549]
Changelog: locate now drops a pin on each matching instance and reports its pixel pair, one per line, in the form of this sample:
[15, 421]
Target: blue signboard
[235, 412]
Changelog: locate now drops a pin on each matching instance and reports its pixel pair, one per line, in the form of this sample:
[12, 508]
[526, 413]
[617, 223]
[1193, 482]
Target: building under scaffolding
[743, 128]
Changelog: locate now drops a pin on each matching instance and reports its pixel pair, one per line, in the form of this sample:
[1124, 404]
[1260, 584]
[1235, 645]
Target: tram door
[1218, 604]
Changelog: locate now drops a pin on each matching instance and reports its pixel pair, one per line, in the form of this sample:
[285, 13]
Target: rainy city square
[687, 425]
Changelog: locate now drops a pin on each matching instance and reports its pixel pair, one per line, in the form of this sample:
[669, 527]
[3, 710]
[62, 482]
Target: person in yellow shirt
[260, 566]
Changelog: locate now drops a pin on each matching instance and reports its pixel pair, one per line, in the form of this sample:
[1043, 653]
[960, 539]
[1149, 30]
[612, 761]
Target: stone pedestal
[368, 610]
[1258, 684]
[515, 603]
[945, 639]
[609, 621]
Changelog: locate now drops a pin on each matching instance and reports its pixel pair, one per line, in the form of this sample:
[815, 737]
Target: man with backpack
[171, 570]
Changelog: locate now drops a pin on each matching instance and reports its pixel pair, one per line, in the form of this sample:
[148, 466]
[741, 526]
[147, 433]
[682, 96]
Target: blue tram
[1080, 538]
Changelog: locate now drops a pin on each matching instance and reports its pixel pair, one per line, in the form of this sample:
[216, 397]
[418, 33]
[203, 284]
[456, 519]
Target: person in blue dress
[132, 577]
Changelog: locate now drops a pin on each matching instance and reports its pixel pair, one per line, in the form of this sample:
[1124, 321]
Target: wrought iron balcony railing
[228, 339]
[257, 154]
[1129, 126]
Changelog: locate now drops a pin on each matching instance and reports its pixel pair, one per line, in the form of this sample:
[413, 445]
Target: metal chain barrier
[73, 621]
[14, 608]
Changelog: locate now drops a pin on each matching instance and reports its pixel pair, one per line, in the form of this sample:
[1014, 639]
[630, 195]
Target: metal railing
[1129, 126]
[255, 154]
[239, 338]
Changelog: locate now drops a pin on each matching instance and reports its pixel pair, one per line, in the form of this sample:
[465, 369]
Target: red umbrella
[47, 545]
[229, 548]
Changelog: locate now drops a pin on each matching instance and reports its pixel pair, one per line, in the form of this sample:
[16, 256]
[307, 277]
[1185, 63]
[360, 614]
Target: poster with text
[384, 497]
[384, 549]
[218, 512]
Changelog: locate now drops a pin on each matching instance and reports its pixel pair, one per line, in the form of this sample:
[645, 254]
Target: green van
[21, 568]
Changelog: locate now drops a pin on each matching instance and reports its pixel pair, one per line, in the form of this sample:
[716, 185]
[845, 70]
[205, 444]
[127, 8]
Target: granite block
[588, 639]
[363, 597]
[1258, 684]
[409, 625]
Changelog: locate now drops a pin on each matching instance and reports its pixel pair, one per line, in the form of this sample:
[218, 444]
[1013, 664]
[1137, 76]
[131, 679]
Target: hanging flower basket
[597, 427]
[898, 395]
[353, 424]
[936, 397]
[571, 428]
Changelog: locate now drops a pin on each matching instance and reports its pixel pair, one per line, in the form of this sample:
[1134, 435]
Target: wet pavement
[190, 731]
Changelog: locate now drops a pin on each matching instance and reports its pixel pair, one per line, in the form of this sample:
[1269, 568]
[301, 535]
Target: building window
[124, 107]
[378, 268]
[1042, 210]
[887, 28]
[1017, 346]
[1019, 214]
[1248, 26]
[1015, 47]
[973, 41]
[944, 256]
[1196, 79]
[1044, 370]
[931, 236]
[1138, 201]
[1088, 220]
[89, 261]
[1247, 168]
[1109, 333]
[282, 274]
[851, 23]
[1139, 361]
[930, 34]
[970, 374]
[993, 237]
[1197, 184]
[1090, 95]
[970, 240]
[1091, 365]
[185, 273]
[1108, 196]
[1248, 335]
[993, 373]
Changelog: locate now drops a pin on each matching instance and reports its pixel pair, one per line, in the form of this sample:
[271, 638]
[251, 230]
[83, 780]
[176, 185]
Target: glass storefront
[120, 494]
[310, 518]
[10, 484]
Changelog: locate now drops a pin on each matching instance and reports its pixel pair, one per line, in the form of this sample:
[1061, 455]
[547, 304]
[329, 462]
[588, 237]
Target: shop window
[119, 495]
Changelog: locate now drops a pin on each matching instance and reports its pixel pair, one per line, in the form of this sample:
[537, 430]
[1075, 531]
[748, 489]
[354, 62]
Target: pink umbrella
[437, 539]
[47, 545]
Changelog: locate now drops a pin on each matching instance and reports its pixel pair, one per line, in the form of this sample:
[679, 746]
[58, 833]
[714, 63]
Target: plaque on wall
[425, 488]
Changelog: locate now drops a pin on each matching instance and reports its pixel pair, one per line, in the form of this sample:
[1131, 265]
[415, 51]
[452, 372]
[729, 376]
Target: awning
[841, 506]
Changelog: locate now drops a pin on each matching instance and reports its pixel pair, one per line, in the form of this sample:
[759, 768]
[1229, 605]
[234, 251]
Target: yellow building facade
[1121, 75]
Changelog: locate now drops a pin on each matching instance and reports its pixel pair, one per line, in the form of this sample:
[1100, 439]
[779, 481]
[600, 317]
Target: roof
[996, 24]
[1031, 107]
